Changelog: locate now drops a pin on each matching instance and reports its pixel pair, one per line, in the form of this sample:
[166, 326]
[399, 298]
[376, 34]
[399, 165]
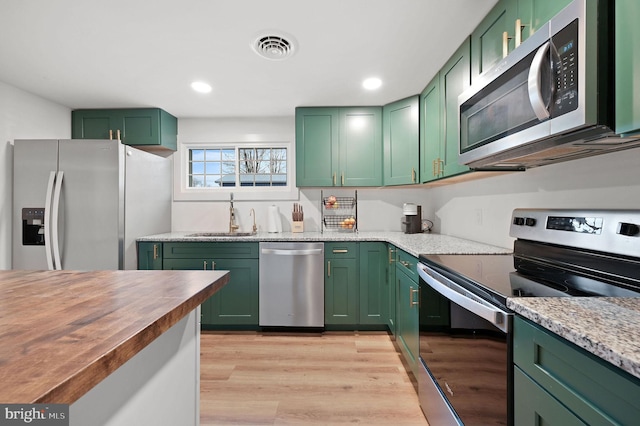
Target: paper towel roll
[274, 223]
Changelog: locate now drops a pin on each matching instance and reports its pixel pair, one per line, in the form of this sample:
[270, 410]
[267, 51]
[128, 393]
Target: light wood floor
[305, 378]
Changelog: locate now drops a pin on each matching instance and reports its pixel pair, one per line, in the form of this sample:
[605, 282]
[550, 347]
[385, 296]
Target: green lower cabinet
[341, 284]
[556, 382]
[407, 326]
[236, 304]
[149, 255]
[391, 287]
[374, 287]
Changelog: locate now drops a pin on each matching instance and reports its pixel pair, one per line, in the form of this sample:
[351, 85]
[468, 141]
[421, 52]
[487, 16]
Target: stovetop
[497, 277]
[556, 253]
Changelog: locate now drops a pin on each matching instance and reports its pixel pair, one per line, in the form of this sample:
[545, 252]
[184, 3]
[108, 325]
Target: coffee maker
[412, 220]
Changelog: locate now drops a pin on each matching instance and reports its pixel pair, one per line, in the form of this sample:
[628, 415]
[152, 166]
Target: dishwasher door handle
[285, 252]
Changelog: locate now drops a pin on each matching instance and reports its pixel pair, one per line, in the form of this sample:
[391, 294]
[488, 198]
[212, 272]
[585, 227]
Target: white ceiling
[135, 53]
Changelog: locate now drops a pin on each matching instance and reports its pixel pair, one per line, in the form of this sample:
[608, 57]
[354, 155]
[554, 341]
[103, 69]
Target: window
[257, 170]
[229, 167]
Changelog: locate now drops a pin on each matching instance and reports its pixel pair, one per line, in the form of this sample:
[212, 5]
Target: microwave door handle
[534, 82]
[47, 221]
[456, 294]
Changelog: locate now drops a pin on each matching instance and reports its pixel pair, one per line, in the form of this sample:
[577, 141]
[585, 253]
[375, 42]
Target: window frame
[252, 193]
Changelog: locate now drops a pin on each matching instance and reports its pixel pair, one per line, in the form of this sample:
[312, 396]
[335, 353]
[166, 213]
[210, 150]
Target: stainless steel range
[465, 327]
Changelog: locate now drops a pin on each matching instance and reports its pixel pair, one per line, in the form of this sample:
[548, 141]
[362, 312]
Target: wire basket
[340, 203]
[340, 222]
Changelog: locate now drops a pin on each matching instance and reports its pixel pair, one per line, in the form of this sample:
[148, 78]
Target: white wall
[23, 116]
[480, 210]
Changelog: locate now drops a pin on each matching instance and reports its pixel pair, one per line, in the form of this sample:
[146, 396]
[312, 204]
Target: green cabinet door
[627, 66]
[141, 127]
[430, 135]
[592, 389]
[407, 327]
[341, 284]
[487, 40]
[236, 304]
[316, 146]
[455, 77]
[533, 14]
[360, 161]
[149, 255]
[401, 142]
[535, 406]
[374, 288]
[339, 146]
[391, 288]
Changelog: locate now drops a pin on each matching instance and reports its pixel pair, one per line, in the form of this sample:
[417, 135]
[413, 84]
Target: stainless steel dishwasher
[291, 284]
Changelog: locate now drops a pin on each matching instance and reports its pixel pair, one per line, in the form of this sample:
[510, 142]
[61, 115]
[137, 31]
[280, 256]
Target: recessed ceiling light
[201, 87]
[372, 83]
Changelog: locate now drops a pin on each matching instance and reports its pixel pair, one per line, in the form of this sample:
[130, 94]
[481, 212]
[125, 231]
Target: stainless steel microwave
[550, 100]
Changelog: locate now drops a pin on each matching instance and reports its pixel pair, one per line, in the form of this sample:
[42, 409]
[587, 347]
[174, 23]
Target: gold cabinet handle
[110, 134]
[204, 265]
[391, 256]
[334, 179]
[412, 302]
[155, 251]
[413, 175]
[340, 251]
[518, 36]
[505, 44]
[342, 179]
[433, 167]
[328, 268]
[405, 264]
[118, 134]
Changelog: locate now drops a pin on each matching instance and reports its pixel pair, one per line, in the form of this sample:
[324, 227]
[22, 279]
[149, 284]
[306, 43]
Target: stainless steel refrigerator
[80, 204]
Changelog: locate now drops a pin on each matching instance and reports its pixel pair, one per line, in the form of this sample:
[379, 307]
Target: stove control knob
[530, 221]
[628, 229]
[518, 221]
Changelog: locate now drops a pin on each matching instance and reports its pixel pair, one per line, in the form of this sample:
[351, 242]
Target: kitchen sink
[221, 234]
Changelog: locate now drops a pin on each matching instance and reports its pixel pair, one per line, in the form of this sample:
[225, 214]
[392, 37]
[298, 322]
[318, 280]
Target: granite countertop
[414, 244]
[608, 327]
[63, 332]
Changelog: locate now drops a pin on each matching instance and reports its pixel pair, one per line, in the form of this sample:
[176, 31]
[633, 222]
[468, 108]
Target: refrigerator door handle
[47, 221]
[54, 222]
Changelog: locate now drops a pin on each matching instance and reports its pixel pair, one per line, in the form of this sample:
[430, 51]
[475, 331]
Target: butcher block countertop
[62, 332]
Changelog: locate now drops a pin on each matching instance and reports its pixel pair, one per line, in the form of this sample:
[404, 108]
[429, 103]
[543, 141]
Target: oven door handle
[464, 298]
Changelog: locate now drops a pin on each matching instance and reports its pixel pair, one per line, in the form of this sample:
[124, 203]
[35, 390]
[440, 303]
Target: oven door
[465, 375]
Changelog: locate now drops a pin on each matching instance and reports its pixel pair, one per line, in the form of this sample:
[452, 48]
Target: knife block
[297, 226]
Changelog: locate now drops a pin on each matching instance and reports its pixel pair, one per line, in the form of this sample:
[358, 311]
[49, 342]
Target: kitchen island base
[158, 386]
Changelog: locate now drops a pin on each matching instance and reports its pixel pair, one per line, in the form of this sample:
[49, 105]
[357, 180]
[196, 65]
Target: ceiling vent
[275, 47]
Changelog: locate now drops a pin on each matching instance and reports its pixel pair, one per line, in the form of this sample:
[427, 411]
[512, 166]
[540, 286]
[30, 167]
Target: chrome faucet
[232, 217]
[252, 212]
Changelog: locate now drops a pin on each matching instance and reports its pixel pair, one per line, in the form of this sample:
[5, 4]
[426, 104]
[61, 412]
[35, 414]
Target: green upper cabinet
[487, 40]
[145, 128]
[509, 23]
[401, 141]
[627, 65]
[430, 126]
[316, 146]
[455, 78]
[339, 146]
[439, 117]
